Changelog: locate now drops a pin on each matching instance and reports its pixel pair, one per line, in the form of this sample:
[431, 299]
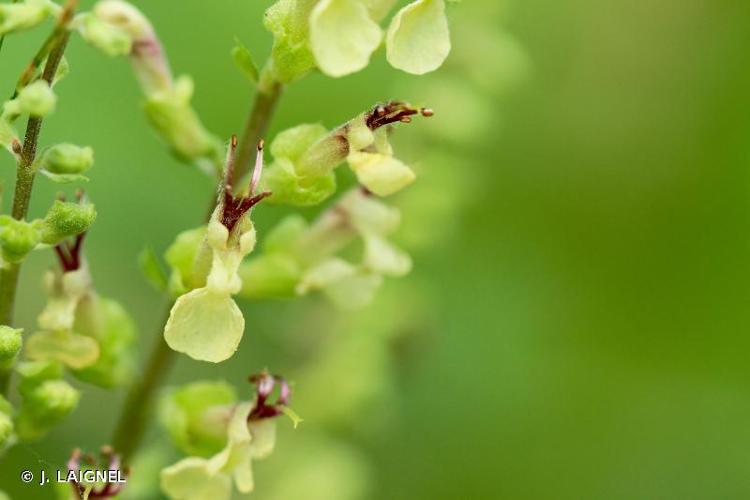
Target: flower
[91, 335]
[205, 323]
[250, 435]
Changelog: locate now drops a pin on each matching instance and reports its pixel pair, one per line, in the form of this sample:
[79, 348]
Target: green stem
[59, 36]
[132, 424]
[256, 126]
[24, 184]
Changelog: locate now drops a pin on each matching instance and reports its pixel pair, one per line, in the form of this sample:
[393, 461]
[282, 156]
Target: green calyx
[196, 416]
[17, 238]
[46, 398]
[64, 220]
[68, 159]
[10, 345]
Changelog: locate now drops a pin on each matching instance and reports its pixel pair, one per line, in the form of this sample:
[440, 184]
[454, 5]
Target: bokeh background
[576, 325]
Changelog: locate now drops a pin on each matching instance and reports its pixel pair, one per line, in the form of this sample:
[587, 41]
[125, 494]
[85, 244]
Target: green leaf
[244, 61]
[152, 269]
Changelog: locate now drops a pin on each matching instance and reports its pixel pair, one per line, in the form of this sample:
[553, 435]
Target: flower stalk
[53, 49]
[132, 424]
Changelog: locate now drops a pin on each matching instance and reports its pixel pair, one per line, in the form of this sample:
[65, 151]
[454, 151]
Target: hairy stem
[132, 424]
[25, 176]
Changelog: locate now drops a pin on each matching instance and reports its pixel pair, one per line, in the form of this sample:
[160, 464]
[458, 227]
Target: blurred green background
[582, 323]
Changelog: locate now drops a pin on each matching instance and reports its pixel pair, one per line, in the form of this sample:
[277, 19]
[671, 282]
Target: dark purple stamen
[111, 461]
[265, 383]
[234, 207]
[69, 253]
[393, 112]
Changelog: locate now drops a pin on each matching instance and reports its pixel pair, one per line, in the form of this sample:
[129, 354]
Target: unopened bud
[17, 238]
[111, 39]
[174, 118]
[45, 406]
[65, 219]
[36, 99]
[68, 159]
[10, 344]
[23, 15]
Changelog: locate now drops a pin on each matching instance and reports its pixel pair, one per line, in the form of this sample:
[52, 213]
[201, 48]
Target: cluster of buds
[339, 36]
[223, 436]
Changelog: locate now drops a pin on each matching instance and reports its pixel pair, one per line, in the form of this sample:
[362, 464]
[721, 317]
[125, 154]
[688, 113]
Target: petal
[205, 325]
[384, 258]
[381, 174]
[418, 39]
[354, 292]
[235, 458]
[191, 479]
[370, 215]
[322, 275]
[342, 36]
[264, 437]
[71, 349]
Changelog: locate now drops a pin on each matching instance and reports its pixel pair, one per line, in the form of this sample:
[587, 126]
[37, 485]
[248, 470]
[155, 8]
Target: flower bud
[107, 37]
[17, 238]
[288, 21]
[10, 345]
[66, 219]
[149, 63]
[171, 114]
[23, 15]
[45, 406]
[68, 159]
[36, 99]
